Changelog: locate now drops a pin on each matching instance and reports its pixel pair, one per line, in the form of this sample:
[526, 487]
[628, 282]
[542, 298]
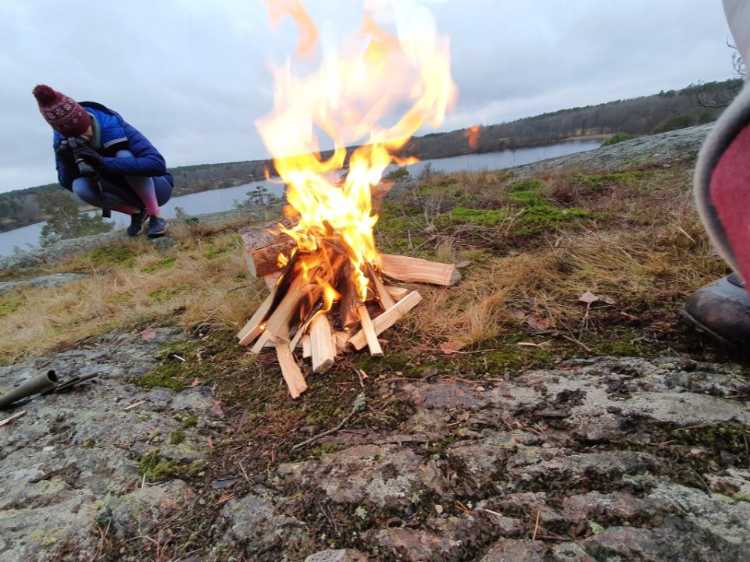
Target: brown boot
[722, 310]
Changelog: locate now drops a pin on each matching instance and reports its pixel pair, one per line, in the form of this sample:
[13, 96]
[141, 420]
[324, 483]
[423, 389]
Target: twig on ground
[133, 405]
[12, 418]
[536, 525]
[244, 473]
[490, 512]
[577, 342]
[358, 406]
[361, 375]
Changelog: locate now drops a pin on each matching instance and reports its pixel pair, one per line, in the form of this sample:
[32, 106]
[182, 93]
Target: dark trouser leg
[111, 197]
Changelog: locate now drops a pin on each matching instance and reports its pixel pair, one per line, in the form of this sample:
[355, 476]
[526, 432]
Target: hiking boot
[136, 224]
[722, 310]
[157, 227]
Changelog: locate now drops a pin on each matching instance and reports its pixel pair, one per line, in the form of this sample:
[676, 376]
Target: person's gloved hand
[65, 153]
[89, 155]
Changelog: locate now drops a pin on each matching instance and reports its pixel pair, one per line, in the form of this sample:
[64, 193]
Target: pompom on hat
[64, 114]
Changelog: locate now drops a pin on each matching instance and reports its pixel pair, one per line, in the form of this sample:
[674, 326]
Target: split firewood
[264, 340]
[254, 326]
[302, 329]
[349, 299]
[272, 279]
[263, 260]
[369, 330]
[397, 293]
[278, 321]
[416, 270]
[291, 372]
[387, 319]
[342, 341]
[306, 347]
[323, 346]
[384, 296]
[262, 249]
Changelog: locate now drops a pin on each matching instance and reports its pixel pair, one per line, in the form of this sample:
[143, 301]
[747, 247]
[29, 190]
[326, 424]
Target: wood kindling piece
[369, 330]
[397, 293]
[385, 298]
[349, 299]
[264, 340]
[323, 346]
[278, 321]
[416, 270]
[302, 329]
[387, 319]
[306, 346]
[254, 326]
[290, 370]
[272, 279]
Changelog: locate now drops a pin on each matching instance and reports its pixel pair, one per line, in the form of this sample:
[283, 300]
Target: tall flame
[348, 98]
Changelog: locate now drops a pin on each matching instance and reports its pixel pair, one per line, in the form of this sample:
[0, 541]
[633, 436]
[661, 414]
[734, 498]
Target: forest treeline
[667, 110]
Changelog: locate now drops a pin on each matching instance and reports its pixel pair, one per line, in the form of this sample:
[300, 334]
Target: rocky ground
[661, 149]
[74, 463]
[601, 459]
[596, 459]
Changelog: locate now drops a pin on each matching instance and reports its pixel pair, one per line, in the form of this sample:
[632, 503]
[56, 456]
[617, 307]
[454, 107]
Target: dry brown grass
[643, 247]
[647, 254]
[200, 280]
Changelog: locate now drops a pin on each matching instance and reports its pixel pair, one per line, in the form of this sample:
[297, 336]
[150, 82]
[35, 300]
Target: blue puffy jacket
[113, 133]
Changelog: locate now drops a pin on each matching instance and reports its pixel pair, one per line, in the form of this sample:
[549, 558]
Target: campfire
[330, 289]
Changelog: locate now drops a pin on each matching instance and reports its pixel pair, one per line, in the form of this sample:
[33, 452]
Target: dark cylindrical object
[33, 386]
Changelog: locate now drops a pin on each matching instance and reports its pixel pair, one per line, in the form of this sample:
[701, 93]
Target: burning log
[330, 286]
[315, 301]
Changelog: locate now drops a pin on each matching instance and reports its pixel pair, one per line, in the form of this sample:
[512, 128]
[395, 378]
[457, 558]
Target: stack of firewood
[314, 305]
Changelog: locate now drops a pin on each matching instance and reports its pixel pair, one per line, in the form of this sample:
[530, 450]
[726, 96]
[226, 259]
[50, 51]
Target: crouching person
[106, 161]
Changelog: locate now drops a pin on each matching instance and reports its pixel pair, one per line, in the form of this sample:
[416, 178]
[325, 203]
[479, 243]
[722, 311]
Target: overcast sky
[193, 75]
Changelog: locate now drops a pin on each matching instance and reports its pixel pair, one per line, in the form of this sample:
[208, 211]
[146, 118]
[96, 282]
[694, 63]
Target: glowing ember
[349, 98]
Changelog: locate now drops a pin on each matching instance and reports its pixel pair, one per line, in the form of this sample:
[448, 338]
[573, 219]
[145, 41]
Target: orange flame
[472, 135]
[278, 9]
[348, 98]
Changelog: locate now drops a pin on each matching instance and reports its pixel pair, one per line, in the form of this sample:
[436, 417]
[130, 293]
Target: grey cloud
[193, 75]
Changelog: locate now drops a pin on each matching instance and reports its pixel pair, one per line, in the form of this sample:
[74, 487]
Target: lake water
[218, 200]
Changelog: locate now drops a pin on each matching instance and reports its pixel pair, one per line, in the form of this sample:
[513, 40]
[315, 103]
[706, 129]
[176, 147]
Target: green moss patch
[111, 256]
[539, 218]
[618, 138]
[155, 468]
[481, 217]
[597, 182]
[9, 304]
[172, 372]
